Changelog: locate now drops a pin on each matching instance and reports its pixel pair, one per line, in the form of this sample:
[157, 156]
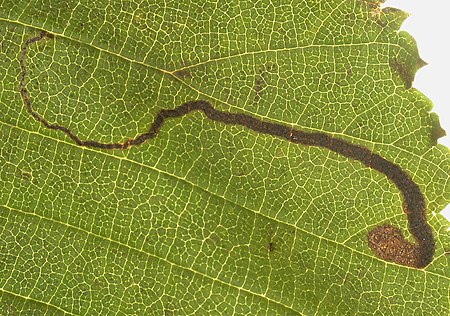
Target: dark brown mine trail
[386, 241]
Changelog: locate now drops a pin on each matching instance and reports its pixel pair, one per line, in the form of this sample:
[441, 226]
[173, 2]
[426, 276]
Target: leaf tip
[436, 130]
[421, 63]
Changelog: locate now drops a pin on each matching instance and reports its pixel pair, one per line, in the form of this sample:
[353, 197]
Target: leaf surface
[208, 218]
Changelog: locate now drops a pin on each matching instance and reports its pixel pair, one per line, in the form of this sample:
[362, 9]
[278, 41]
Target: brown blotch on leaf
[47, 34]
[183, 73]
[389, 244]
[374, 7]
[349, 71]
[381, 23]
[391, 10]
[261, 81]
[26, 175]
[406, 74]
[373, 4]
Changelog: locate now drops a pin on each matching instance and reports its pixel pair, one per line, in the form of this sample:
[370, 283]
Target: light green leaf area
[206, 218]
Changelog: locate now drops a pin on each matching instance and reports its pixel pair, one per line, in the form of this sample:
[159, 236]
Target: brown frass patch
[386, 241]
[389, 243]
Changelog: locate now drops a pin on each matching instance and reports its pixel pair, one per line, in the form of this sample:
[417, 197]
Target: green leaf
[210, 218]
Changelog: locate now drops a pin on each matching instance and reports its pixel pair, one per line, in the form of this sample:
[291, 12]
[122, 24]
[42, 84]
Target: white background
[429, 24]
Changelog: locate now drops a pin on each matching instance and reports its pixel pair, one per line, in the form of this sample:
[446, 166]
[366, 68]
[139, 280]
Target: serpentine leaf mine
[386, 241]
